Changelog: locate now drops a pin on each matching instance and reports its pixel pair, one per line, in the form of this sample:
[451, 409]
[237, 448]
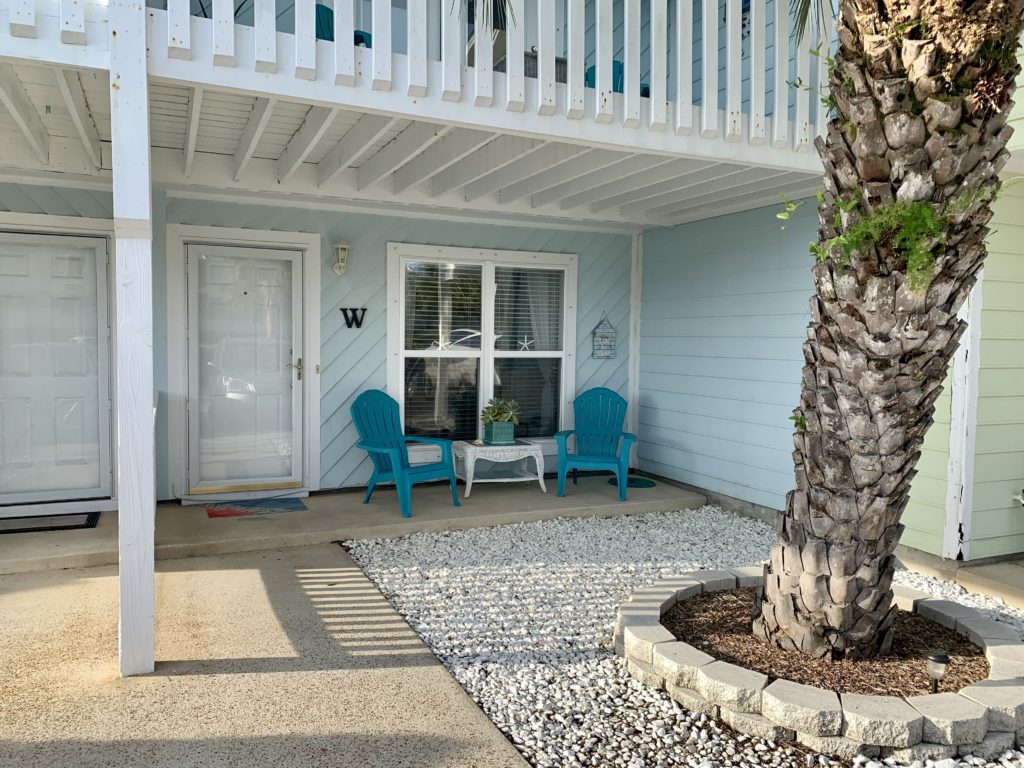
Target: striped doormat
[255, 507]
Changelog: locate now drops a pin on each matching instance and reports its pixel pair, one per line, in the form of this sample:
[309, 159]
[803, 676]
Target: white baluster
[484, 60]
[224, 33]
[631, 54]
[451, 50]
[546, 57]
[265, 20]
[72, 22]
[417, 47]
[381, 45]
[757, 64]
[605, 108]
[733, 70]
[659, 65]
[515, 48]
[344, 43]
[804, 94]
[305, 39]
[780, 110]
[179, 30]
[23, 18]
[576, 60]
[824, 51]
[709, 70]
[684, 67]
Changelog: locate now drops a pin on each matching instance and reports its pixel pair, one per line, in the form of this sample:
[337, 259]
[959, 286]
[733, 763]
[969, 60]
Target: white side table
[468, 453]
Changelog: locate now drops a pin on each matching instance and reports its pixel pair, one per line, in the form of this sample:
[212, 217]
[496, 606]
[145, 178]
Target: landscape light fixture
[938, 660]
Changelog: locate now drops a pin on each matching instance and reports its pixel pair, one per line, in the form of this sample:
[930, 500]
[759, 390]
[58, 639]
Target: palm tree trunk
[918, 120]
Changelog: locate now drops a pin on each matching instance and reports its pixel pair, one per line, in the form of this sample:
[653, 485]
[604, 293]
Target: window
[468, 325]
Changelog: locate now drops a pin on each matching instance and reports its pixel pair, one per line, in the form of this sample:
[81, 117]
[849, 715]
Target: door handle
[298, 368]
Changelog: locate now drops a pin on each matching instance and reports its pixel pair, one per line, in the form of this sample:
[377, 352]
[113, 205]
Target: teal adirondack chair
[375, 415]
[600, 441]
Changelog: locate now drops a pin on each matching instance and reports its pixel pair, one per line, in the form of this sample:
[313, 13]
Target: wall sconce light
[938, 660]
[341, 251]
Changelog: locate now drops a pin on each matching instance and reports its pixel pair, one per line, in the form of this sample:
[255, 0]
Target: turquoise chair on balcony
[600, 442]
[375, 415]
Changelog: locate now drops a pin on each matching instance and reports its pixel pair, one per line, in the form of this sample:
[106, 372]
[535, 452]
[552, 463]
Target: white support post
[15, 99]
[631, 86]
[179, 29]
[780, 97]
[605, 108]
[22, 18]
[133, 281]
[576, 60]
[709, 70]
[265, 19]
[802, 121]
[344, 43]
[381, 45]
[546, 57]
[70, 86]
[305, 39]
[224, 33]
[72, 22]
[733, 71]
[451, 51]
[417, 48]
[515, 49]
[659, 65]
[757, 65]
[684, 67]
[483, 63]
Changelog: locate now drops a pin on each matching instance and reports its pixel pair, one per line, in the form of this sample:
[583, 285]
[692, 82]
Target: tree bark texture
[923, 92]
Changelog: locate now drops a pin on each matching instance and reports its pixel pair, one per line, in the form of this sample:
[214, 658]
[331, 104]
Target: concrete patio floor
[186, 531]
[286, 658]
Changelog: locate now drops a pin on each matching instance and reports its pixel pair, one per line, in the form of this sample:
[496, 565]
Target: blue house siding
[724, 308]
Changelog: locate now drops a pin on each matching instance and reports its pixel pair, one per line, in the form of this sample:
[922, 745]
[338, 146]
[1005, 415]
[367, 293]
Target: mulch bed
[718, 623]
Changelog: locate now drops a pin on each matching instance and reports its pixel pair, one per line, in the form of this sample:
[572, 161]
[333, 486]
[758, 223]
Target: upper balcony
[626, 81]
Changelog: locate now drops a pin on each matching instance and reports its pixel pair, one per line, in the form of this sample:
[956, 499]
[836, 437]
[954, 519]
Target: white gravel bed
[522, 615]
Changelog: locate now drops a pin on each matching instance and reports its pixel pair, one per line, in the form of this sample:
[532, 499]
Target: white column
[133, 286]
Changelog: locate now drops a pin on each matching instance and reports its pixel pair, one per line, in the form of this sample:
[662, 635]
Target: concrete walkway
[186, 531]
[283, 658]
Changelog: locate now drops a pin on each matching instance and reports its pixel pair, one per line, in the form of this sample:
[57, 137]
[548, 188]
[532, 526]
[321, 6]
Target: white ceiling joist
[491, 157]
[543, 158]
[360, 137]
[674, 199]
[622, 167]
[195, 107]
[407, 145]
[708, 173]
[784, 182]
[251, 136]
[633, 181]
[16, 100]
[318, 120]
[571, 169]
[746, 202]
[70, 86]
[443, 154]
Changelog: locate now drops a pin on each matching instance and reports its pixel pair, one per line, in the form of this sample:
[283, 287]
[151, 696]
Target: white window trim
[74, 226]
[401, 252]
[178, 235]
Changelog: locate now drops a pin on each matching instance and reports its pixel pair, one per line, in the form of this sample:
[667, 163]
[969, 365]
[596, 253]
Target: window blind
[528, 309]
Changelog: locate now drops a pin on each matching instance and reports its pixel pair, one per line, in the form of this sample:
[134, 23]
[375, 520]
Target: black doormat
[49, 523]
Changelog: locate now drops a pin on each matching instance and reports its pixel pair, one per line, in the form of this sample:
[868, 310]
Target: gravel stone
[885, 720]
[803, 708]
[950, 718]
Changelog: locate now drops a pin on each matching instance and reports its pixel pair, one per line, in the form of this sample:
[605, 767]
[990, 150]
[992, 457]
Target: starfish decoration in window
[526, 345]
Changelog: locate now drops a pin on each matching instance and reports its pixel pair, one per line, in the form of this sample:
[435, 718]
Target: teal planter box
[500, 433]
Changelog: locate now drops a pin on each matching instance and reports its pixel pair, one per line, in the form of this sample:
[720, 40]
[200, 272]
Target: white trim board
[178, 235]
[635, 298]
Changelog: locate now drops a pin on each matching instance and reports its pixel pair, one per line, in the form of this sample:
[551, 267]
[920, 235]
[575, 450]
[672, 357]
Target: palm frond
[804, 10]
[493, 14]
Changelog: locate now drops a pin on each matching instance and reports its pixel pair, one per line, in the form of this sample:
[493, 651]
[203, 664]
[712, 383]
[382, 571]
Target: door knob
[298, 368]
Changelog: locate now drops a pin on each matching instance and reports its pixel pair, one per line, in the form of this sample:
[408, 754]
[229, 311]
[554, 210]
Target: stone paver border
[983, 720]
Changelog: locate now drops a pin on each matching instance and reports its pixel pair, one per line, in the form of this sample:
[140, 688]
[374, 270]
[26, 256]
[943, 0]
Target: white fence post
[382, 45]
[631, 86]
[515, 49]
[757, 65]
[417, 47]
[709, 70]
[684, 67]
[603, 55]
[659, 65]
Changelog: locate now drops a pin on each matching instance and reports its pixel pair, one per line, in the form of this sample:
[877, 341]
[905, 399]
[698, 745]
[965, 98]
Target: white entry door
[54, 374]
[245, 369]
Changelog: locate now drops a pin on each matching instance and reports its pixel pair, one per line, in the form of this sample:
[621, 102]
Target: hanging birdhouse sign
[604, 339]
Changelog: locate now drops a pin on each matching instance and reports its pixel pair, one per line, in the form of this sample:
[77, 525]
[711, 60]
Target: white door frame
[74, 226]
[178, 235]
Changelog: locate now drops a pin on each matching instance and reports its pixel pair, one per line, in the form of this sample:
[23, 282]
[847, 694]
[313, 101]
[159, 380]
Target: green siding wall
[997, 522]
[925, 515]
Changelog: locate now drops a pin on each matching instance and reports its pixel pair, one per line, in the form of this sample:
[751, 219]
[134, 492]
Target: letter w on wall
[353, 317]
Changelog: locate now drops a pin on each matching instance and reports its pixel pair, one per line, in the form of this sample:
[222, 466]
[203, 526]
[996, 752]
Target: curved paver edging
[984, 719]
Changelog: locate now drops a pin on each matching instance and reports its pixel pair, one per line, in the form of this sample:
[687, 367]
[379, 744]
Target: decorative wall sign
[353, 316]
[604, 339]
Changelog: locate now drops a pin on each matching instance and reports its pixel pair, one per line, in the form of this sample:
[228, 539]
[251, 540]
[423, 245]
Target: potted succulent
[500, 418]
